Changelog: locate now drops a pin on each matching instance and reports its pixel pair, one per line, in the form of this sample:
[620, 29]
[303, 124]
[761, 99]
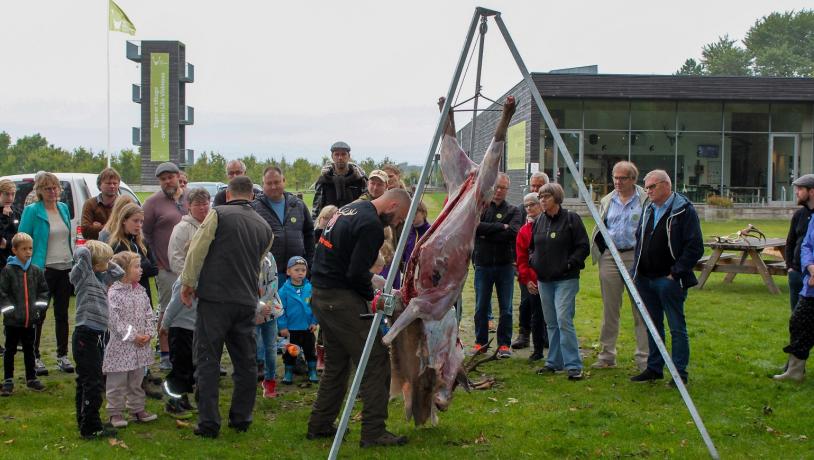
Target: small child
[9, 220]
[23, 298]
[128, 352]
[90, 277]
[297, 321]
[269, 308]
[178, 323]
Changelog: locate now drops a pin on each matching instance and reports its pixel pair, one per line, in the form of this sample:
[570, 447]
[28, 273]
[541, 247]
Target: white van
[76, 189]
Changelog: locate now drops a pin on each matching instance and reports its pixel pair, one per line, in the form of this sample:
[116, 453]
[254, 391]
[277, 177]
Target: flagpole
[107, 29]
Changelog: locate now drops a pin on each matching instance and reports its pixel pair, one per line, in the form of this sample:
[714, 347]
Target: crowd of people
[260, 266]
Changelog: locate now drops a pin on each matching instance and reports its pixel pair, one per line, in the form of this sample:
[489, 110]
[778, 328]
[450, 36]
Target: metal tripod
[482, 14]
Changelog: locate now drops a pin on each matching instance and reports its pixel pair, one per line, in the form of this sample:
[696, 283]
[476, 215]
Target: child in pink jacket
[128, 352]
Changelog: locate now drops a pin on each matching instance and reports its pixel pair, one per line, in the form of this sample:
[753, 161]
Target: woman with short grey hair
[558, 248]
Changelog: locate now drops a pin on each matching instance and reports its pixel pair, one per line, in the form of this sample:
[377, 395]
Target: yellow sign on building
[516, 146]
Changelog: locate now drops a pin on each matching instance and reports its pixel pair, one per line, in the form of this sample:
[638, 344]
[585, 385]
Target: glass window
[699, 116]
[606, 114]
[653, 115]
[746, 117]
[653, 150]
[790, 118]
[745, 172]
[699, 160]
[567, 114]
[602, 150]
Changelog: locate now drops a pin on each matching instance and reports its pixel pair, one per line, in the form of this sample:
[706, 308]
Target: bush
[720, 201]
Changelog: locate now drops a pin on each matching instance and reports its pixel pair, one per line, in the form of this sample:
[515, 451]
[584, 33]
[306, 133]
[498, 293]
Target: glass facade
[750, 151]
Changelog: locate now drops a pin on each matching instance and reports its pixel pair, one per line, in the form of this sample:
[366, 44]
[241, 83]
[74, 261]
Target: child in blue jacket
[298, 322]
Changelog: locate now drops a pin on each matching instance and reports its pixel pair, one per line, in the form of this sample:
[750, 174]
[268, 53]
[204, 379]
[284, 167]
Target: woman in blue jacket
[48, 221]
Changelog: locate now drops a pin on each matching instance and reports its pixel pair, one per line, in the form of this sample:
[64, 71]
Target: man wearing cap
[376, 185]
[288, 218]
[804, 190]
[340, 182]
[162, 211]
[342, 288]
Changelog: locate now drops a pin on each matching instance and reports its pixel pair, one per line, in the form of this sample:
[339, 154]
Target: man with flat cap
[804, 191]
[340, 182]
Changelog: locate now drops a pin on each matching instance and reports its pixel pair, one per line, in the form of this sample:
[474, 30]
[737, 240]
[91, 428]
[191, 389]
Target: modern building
[743, 137]
[164, 113]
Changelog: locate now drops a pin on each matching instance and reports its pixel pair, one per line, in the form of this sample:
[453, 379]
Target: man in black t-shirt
[341, 280]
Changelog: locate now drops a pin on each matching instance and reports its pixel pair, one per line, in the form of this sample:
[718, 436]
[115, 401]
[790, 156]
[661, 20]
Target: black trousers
[233, 325]
[539, 332]
[25, 336]
[305, 339]
[345, 333]
[60, 289]
[524, 323]
[88, 353]
[801, 329]
[182, 376]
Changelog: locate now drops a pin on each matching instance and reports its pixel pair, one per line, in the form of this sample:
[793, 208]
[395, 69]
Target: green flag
[118, 21]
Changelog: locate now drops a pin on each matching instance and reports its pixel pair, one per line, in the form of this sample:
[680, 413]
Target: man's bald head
[393, 206]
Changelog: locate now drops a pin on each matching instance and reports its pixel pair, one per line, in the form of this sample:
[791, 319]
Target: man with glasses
[621, 211]
[493, 258]
[669, 243]
[536, 181]
[234, 168]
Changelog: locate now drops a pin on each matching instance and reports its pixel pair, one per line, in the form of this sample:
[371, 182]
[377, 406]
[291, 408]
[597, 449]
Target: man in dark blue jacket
[669, 243]
[493, 258]
[288, 218]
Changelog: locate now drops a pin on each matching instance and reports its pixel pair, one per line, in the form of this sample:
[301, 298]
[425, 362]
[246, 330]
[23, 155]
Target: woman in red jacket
[528, 277]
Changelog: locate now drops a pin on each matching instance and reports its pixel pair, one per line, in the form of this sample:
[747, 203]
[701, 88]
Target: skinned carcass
[427, 354]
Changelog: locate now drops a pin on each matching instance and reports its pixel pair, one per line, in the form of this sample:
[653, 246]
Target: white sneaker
[65, 365]
[39, 367]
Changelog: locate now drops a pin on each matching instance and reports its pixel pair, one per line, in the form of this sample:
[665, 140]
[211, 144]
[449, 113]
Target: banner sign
[516, 146]
[159, 107]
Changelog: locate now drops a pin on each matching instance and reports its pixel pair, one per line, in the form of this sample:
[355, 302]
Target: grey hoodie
[91, 290]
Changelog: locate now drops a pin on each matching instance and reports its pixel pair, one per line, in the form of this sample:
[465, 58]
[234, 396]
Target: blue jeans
[664, 296]
[501, 277]
[795, 285]
[267, 347]
[558, 299]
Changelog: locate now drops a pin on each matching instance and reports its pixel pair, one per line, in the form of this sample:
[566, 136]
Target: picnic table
[744, 256]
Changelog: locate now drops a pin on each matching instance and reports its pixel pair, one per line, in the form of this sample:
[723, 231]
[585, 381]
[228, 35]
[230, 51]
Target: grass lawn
[736, 334]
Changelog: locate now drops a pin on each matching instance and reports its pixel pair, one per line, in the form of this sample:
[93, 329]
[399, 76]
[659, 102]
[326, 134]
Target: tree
[724, 57]
[691, 67]
[782, 44]
[777, 45]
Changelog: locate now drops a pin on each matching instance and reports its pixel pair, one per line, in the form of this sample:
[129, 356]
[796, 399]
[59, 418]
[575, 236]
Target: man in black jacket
[493, 258]
[804, 190]
[342, 288]
[340, 182]
[288, 218]
[668, 244]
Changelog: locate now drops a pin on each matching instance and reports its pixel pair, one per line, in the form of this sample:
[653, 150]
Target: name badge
[499, 216]
[553, 235]
[293, 220]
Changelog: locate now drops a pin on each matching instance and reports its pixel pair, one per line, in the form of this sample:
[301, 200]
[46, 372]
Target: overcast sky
[274, 78]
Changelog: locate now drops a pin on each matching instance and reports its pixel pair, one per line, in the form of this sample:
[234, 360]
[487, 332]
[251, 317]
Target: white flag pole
[107, 31]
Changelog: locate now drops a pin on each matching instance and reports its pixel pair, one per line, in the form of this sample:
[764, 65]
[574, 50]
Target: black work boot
[522, 340]
[385, 439]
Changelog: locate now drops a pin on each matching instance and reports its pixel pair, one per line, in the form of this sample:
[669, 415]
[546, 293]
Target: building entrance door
[573, 142]
[783, 166]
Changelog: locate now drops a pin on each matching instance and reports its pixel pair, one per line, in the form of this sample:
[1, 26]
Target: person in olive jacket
[558, 250]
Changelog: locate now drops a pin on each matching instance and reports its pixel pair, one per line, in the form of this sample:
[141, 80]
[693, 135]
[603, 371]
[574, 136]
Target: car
[212, 187]
[76, 189]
